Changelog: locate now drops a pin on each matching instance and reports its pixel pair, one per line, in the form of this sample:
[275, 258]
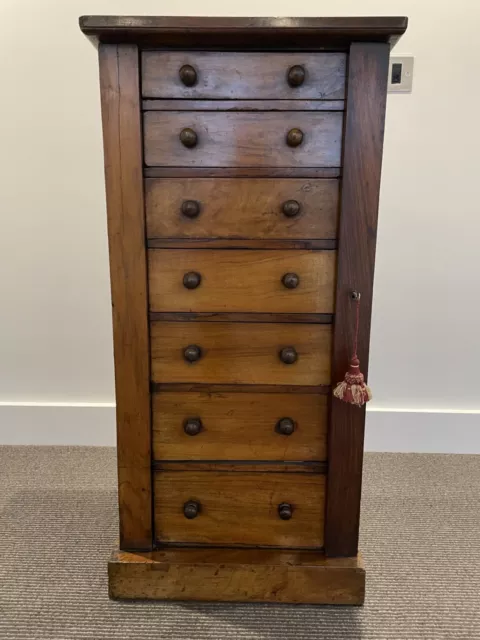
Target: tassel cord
[357, 326]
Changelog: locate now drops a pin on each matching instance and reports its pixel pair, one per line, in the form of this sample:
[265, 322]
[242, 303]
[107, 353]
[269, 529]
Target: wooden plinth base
[242, 575]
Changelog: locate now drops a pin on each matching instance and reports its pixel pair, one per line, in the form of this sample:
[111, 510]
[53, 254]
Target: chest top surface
[211, 32]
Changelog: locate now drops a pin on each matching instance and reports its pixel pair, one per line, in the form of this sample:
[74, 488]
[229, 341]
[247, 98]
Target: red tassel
[353, 389]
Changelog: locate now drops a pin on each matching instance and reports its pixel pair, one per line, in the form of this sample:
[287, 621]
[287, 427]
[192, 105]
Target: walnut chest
[242, 163]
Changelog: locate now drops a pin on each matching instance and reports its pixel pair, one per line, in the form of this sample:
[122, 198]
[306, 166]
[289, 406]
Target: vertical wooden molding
[362, 160]
[119, 83]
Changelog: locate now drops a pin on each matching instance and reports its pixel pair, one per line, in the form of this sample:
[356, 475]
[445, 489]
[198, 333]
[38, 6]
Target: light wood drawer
[242, 75]
[236, 508]
[239, 426]
[236, 353]
[241, 280]
[243, 139]
[241, 208]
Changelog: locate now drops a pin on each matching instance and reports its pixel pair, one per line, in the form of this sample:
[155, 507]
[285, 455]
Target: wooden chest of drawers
[242, 161]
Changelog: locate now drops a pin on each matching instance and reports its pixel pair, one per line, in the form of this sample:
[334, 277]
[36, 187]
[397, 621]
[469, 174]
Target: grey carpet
[420, 537]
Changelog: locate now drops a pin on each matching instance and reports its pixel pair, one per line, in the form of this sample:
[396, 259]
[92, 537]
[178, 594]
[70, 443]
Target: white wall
[56, 371]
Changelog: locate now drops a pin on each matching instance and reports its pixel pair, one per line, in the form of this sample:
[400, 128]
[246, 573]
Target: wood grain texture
[194, 387]
[242, 172]
[242, 105]
[241, 208]
[237, 76]
[239, 280]
[241, 466]
[205, 316]
[242, 575]
[119, 84]
[239, 243]
[240, 353]
[365, 117]
[239, 508]
[243, 139]
[238, 426]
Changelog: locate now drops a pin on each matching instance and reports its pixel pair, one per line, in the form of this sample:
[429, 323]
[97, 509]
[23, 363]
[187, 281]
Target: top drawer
[272, 76]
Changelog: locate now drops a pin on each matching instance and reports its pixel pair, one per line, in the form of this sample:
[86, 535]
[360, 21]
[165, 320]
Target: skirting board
[93, 424]
[422, 431]
[69, 424]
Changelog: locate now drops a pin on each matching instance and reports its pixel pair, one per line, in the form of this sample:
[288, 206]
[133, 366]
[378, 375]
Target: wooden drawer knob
[188, 138]
[192, 353]
[290, 281]
[288, 355]
[190, 208]
[191, 280]
[191, 509]
[294, 137]
[285, 511]
[291, 208]
[188, 75]
[296, 75]
[285, 426]
[192, 426]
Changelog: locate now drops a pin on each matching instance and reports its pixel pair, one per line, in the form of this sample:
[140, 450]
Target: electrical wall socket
[400, 74]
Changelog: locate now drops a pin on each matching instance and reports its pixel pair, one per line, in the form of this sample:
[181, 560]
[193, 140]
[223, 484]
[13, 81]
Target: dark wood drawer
[242, 139]
[239, 426]
[236, 508]
[243, 75]
[241, 280]
[236, 353]
[241, 208]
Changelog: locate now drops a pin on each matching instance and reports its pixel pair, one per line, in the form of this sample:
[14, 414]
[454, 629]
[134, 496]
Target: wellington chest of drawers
[242, 163]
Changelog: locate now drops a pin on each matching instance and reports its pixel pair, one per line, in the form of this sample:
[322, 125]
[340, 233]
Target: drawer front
[240, 353]
[242, 139]
[239, 508]
[243, 75]
[239, 426]
[241, 208]
[241, 280]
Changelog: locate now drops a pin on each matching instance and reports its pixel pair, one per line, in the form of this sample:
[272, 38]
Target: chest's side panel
[362, 162]
[119, 82]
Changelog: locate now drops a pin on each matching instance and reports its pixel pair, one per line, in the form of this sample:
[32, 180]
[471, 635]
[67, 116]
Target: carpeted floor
[420, 538]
